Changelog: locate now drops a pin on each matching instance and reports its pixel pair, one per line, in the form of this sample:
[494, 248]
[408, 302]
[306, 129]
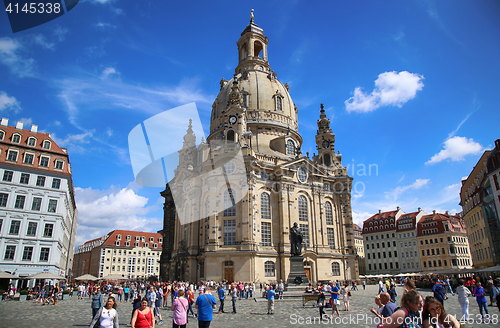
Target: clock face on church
[232, 119]
[326, 144]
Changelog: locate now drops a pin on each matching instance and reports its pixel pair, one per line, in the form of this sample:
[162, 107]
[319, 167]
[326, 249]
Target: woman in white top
[345, 297]
[107, 315]
[463, 293]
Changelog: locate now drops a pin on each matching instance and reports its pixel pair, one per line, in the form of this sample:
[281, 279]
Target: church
[241, 226]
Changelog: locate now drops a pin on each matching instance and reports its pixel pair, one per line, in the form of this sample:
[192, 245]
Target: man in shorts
[335, 292]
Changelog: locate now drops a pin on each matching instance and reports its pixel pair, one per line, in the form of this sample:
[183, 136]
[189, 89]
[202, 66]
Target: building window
[128, 237]
[303, 212]
[19, 202]
[265, 230]
[229, 204]
[28, 253]
[12, 156]
[336, 269]
[269, 269]
[44, 254]
[202, 269]
[331, 237]
[47, 232]
[14, 227]
[279, 103]
[127, 243]
[2, 134]
[265, 208]
[46, 144]
[44, 161]
[56, 183]
[16, 138]
[7, 176]
[117, 243]
[290, 148]
[229, 232]
[25, 178]
[302, 175]
[3, 200]
[40, 181]
[28, 158]
[31, 141]
[31, 229]
[10, 251]
[37, 204]
[52, 206]
[305, 232]
[328, 213]
[59, 165]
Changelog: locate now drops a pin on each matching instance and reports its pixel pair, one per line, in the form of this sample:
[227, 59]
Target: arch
[269, 269]
[327, 160]
[328, 213]
[303, 209]
[290, 147]
[229, 204]
[243, 51]
[230, 135]
[257, 48]
[265, 206]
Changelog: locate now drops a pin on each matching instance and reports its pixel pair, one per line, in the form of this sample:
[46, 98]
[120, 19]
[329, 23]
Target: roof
[113, 237]
[383, 221]
[356, 227]
[439, 220]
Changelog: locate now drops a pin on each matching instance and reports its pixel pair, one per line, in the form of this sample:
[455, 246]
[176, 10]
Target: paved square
[77, 313]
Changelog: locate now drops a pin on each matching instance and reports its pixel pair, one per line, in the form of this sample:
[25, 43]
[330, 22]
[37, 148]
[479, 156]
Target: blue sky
[411, 88]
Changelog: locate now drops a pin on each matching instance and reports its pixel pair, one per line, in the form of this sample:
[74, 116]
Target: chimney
[34, 128]
[19, 125]
[497, 143]
[397, 208]
[433, 211]
[5, 121]
[446, 212]
[419, 209]
[379, 211]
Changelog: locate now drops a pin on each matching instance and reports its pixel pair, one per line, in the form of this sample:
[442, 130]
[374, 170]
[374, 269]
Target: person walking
[463, 294]
[481, 300]
[143, 316]
[180, 312]
[491, 288]
[321, 303]
[270, 300]
[234, 297]
[393, 294]
[346, 293]
[97, 302]
[280, 289]
[190, 298]
[438, 291]
[156, 309]
[448, 285]
[107, 316]
[205, 305]
[222, 297]
[334, 299]
[364, 285]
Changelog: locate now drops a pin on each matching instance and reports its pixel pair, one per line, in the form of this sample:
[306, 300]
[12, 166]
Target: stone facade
[238, 215]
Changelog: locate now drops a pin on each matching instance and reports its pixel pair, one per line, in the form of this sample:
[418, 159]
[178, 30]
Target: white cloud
[394, 194]
[359, 217]
[42, 41]
[60, 32]
[9, 56]
[27, 122]
[101, 211]
[391, 89]
[105, 25]
[7, 102]
[107, 72]
[455, 149]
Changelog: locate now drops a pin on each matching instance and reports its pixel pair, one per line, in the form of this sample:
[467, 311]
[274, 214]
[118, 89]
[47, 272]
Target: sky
[411, 89]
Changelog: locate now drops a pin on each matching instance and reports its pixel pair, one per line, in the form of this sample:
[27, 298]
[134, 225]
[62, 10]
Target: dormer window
[128, 237]
[46, 144]
[31, 141]
[2, 134]
[16, 138]
[119, 237]
[143, 239]
[151, 239]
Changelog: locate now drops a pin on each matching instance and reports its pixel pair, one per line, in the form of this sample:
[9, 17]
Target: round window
[229, 167]
[302, 175]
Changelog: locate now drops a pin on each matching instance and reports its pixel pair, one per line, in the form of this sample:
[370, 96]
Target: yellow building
[442, 241]
[243, 233]
[471, 199]
[360, 248]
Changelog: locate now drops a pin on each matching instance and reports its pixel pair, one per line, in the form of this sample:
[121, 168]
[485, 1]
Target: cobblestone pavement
[77, 313]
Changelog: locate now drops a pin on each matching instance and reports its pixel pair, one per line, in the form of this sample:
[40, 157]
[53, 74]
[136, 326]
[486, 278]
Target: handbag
[349, 293]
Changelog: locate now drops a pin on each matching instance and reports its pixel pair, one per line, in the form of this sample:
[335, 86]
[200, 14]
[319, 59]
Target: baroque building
[236, 227]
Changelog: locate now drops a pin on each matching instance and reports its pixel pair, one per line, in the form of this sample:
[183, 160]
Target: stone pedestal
[297, 274]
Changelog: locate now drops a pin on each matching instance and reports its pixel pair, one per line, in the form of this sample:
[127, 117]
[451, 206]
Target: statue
[296, 238]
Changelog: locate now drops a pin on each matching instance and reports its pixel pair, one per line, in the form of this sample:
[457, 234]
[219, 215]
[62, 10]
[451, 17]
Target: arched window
[16, 138]
[376, 228]
[229, 205]
[290, 147]
[303, 212]
[230, 135]
[335, 269]
[327, 160]
[269, 269]
[279, 103]
[328, 213]
[265, 208]
[257, 48]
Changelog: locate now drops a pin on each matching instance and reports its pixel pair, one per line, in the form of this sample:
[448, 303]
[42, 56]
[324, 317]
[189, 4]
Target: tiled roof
[113, 237]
